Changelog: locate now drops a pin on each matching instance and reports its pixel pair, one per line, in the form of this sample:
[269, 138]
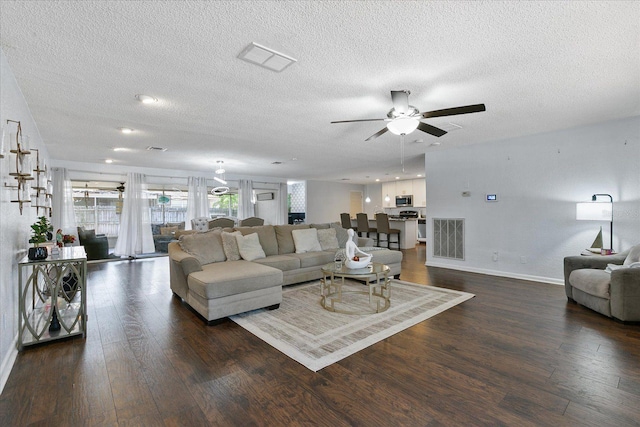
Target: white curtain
[283, 209]
[197, 200]
[62, 214]
[134, 236]
[245, 199]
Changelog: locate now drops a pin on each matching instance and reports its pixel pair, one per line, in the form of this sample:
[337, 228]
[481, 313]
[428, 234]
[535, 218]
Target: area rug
[316, 338]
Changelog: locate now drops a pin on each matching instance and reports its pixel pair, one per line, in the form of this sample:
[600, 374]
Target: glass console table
[52, 297]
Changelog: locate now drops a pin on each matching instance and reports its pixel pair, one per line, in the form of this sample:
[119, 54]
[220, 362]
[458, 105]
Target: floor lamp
[597, 211]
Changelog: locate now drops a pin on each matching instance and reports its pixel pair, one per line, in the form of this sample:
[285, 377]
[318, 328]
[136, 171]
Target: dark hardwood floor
[517, 354]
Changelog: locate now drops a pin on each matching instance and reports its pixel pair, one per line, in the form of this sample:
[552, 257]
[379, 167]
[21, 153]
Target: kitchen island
[408, 231]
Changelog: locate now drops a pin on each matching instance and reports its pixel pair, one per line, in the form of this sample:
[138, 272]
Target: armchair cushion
[591, 281]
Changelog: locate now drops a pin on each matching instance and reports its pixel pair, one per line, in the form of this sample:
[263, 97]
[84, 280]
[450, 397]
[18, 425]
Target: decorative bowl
[362, 263]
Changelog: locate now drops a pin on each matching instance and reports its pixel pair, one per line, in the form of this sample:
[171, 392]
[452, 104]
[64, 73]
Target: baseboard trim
[7, 363]
[510, 275]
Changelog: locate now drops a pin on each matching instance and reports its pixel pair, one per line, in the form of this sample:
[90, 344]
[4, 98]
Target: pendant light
[222, 189]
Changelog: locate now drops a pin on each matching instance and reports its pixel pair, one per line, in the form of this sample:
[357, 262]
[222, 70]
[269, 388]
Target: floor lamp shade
[594, 211]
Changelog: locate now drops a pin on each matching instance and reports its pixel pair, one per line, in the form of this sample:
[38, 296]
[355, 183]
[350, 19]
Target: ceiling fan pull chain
[402, 151]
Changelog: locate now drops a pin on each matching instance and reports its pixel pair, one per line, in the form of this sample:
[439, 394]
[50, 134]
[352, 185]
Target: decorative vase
[37, 253]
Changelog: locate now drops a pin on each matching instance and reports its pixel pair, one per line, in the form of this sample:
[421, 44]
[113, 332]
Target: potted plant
[39, 231]
[68, 239]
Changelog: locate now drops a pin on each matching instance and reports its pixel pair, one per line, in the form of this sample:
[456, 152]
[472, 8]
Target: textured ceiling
[538, 67]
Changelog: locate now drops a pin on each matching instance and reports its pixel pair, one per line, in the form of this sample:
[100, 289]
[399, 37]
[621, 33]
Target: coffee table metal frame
[375, 276]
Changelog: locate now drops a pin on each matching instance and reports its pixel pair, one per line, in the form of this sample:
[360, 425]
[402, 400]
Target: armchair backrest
[251, 222]
[221, 222]
[200, 224]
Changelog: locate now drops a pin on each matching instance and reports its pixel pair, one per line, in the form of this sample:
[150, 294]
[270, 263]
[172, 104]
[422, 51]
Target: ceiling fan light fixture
[403, 125]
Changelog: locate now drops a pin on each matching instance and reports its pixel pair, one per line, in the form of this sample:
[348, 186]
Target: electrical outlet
[523, 260]
[495, 256]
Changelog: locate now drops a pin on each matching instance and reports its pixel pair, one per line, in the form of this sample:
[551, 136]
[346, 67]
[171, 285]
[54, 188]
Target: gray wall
[327, 200]
[538, 180]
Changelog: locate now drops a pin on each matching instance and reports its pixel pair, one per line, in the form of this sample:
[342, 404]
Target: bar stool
[363, 225]
[382, 222]
[345, 221]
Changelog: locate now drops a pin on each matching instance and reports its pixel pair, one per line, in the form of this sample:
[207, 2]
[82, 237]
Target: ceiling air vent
[151, 148]
[265, 57]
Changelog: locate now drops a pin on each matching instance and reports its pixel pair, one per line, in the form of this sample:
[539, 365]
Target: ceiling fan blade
[400, 100]
[361, 120]
[431, 130]
[377, 134]
[476, 108]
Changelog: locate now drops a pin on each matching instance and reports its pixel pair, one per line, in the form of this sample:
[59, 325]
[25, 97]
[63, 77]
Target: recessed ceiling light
[126, 130]
[397, 177]
[120, 149]
[419, 175]
[435, 144]
[146, 99]
[266, 57]
[377, 179]
[108, 161]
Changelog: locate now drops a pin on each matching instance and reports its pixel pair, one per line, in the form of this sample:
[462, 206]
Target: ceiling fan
[404, 118]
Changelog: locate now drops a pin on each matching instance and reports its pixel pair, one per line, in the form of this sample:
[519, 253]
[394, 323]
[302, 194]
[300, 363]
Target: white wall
[327, 200]
[538, 180]
[14, 228]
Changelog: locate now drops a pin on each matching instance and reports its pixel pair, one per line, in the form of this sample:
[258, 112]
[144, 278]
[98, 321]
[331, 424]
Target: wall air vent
[265, 57]
[448, 238]
[151, 148]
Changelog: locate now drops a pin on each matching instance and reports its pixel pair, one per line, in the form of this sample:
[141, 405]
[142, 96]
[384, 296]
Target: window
[96, 210]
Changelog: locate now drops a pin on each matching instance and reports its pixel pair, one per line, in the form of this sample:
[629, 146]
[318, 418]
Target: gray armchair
[615, 294]
[95, 245]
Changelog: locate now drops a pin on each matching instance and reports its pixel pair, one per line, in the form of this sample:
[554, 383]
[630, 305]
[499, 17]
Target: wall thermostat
[492, 197]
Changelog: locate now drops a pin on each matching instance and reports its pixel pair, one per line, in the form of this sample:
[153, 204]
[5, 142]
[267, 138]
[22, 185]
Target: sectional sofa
[222, 272]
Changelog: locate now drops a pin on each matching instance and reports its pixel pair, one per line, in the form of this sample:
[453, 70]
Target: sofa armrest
[187, 261]
[181, 264]
[625, 294]
[579, 261]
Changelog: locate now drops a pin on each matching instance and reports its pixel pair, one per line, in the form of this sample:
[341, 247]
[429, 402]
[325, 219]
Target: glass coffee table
[378, 287]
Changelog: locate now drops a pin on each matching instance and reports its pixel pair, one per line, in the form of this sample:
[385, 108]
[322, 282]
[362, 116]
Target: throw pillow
[327, 238]
[168, 231]
[205, 247]
[341, 234]
[306, 240]
[249, 246]
[633, 256]
[230, 245]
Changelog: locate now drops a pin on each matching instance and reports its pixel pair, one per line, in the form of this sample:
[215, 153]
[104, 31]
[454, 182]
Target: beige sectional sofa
[218, 280]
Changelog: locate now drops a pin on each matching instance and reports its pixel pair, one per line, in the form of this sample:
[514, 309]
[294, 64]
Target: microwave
[402, 201]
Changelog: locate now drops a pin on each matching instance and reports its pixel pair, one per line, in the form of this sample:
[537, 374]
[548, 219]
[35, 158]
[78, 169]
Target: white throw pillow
[249, 247]
[328, 239]
[634, 255]
[306, 240]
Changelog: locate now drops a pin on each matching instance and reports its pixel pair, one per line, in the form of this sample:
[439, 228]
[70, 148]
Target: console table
[52, 297]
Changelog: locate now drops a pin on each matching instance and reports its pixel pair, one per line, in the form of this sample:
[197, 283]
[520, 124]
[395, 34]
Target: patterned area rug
[316, 338]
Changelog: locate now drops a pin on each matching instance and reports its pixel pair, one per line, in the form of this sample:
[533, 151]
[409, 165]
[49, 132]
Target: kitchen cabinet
[389, 189]
[404, 188]
[420, 193]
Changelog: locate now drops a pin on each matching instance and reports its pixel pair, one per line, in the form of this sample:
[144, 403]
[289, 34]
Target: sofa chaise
[222, 272]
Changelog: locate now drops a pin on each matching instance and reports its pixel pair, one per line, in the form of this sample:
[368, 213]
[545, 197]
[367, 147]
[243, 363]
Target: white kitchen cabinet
[389, 189]
[404, 187]
[420, 193]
